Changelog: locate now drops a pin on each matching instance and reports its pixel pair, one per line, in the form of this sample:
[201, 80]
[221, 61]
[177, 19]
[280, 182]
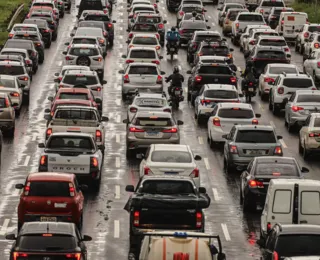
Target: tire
[199, 120]
[54, 37]
[10, 133]
[275, 110]
[211, 143]
[189, 96]
[19, 226]
[241, 197]
[227, 166]
[80, 224]
[171, 56]
[296, 47]
[48, 45]
[289, 126]
[301, 49]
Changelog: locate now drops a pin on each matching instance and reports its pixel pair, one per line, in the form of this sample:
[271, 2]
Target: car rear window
[297, 83]
[277, 169]
[102, 18]
[255, 136]
[218, 51]
[279, 70]
[82, 96]
[14, 53]
[144, 8]
[19, 45]
[145, 40]
[268, 54]
[84, 41]
[166, 187]
[44, 243]
[308, 98]
[316, 122]
[49, 189]
[153, 121]
[27, 37]
[7, 83]
[143, 54]
[279, 11]
[3, 103]
[189, 9]
[24, 28]
[150, 102]
[80, 79]
[272, 4]
[69, 143]
[76, 114]
[11, 70]
[314, 28]
[257, 34]
[250, 18]
[220, 93]
[171, 157]
[150, 19]
[91, 24]
[143, 70]
[144, 28]
[271, 42]
[235, 113]
[207, 38]
[84, 51]
[215, 70]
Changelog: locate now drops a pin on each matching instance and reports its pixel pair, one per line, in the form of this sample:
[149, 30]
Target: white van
[290, 23]
[291, 201]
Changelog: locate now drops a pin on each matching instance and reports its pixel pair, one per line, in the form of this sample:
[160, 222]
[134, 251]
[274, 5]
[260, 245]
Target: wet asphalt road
[104, 218]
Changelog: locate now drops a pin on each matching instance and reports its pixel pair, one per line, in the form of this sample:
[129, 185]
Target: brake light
[27, 189]
[69, 58]
[233, 79]
[71, 189]
[204, 101]
[255, 184]
[46, 31]
[14, 94]
[105, 11]
[10, 35]
[126, 78]
[17, 254]
[278, 150]
[261, 11]
[77, 256]
[318, 64]
[159, 79]
[306, 35]
[181, 13]
[155, 62]
[286, 49]
[216, 121]
[101, 41]
[233, 149]
[38, 44]
[167, 110]
[255, 122]
[133, 109]
[136, 218]
[268, 80]
[104, 34]
[130, 46]
[94, 162]
[158, 47]
[296, 109]
[252, 42]
[237, 25]
[268, 226]
[200, 54]
[48, 132]
[52, 113]
[130, 35]
[199, 220]
[98, 136]
[146, 170]
[109, 25]
[158, 36]
[275, 256]
[226, 21]
[43, 160]
[316, 45]
[23, 78]
[282, 22]
[172, 130]
[7, 102]
[280, 90]
[182, 31]
[313, 88]
[155, 5]
[194, 46]
[160, 25]
[129, 61]
[99, 59]
[135, 130]
[28, 61]
[195, 173]
[198, 78]
[130, 16]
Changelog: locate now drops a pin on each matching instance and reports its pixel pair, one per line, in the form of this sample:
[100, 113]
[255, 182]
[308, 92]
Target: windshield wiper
[54, 248]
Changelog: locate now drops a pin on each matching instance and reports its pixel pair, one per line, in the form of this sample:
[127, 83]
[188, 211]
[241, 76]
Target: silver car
[64, 69]
[18, 58]
[141, 76]
[299, 106]
[11, 86]
[148, 128]
[22, 52]
[247, 141]
[88, 40]
[7, 114]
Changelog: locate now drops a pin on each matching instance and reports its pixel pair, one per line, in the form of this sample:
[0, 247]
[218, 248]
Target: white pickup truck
[72, 153]
[77, 119]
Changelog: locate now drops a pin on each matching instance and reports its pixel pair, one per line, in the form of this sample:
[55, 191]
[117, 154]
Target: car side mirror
[114, 21]
[130, 188]
[241, 95]
[86, 238]
[202, 190]
[41, 145]
[47, 117]
[125, 121]
[188, 71]
[83, 187]
[64, 53]
[66, 43]
[258, 115]
[180, 122]
[162, 73]
[197, 157]
[128, 41]
[47, 110]
[104, 119]
[19, 186]
[56, 80]
[304, 169]
[225, 136]
[77, 6]
[11, 237]
[279, 137]
[50, 99]
[124, 56]
[207, 20]
[164, 21]
[75, 28]
[104, 82]
[140, 156]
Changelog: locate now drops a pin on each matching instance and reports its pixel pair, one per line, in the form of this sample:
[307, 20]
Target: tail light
[306, 35]
[198, 219]
[268, 226]
[255, 184]
[130, 16]
[216, 121]
[313, 88]
[237, 25]
[261, 11]
[194, 46]
[172, 130]
[17, 255]
[105, 11]
[314, 134]
[195, 173]
[255, 122]
[155, 62]
[126, 78]
[101, 41]
[278, 150]
[296, 109]
[71, 189]
[133, 109]
[182, 31]
[204, 101]
[268, 80]
[233, 79]
[23, 78]
[48, 132]
[43, 163]
[158, 36]
[160, 25]
[27, 188]
[233, 149]
[252, 42]
[37, 44]
[110, 25]
[181, 256]
[159, 79]
[28, 61]
[34, 54]
[52, 113]
[229, 56]
[198, 78]
[200, 54]
[136, 218]
[158, 47]
[130, 35]
[282, 22]
[14, 94]
[273, 17]
[316, 45]
[98, 136]
[10, 35]
[167, 110]
[181, 13]
[129, 61]
[286, 49]
[69, 58]
[98, 59]
[146, 170]
[105, 34]
[275, 256]
[61, 86]
[318, 64]
[250, 84]
[46, 30]
[7, 102]
[155, 5]
[226, 21]
[93, 162]
[135, 130]
[280, 90]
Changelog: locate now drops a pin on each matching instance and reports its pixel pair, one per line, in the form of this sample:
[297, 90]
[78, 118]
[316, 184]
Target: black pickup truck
[165, 203]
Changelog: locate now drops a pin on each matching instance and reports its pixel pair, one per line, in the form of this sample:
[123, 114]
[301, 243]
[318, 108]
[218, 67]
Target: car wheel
[199, 120]
[227, 166]
[305, 152]
[11, 131]
[96, 183]
[275, 110]
[301, 49]
[297, 47]
[270, 104]
[211, 143]
[300, 147]
[124, 96]
[289, 126]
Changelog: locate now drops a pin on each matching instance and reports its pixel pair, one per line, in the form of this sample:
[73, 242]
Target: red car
[49, 196]
[69, 102]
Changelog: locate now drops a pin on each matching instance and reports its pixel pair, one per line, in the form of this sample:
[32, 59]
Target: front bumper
[131, 88]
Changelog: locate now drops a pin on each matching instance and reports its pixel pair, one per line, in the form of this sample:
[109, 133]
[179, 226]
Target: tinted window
[2, 103]
[84, 41]
[279, 11]
[84, 52]
[19, 45]
[215, 70]
[316, 122]
[24, 28]
[14, 53]
[235, 113]
[189, 9]
[269, 42]
[143, 70]
[298, 83]
[211, 38]
[60, 142]
[171, 157]
[7, 83]
[43, 4]
[167, 187]
[143, 9]
[82, 96]
[150, 102]
[221, 94]
[90, 24]
[308, 98]
[218, 51]
[29, 37]
[314, 29]
[271, 55]
[282, 202]
[254, 136]
[46, 243]
[250, 18]
[145, 40]
[233, 15]
[277, 169]
[76, 80]
[144, 28]
[306, 198]
[11, 70]
[279, 70]
[272, 3]
[146, 121]
[151, 19]
[102, 18]
[76, 114]
[49, 189]
[143, 54]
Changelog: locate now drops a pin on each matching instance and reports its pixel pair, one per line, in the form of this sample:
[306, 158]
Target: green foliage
[310, 8]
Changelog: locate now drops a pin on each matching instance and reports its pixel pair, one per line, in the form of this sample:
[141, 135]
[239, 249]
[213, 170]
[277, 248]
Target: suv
[285, 85]
[43, 28]
[84, 39]
[266, 5]
[188, 27]
[7, 116]
[142, 54]
[253, 36]
[61, 189]
[304, 33]
[311, 44]
[244, 142]
[52, 23]
[40, 240]
[274, 41]
[86, 55]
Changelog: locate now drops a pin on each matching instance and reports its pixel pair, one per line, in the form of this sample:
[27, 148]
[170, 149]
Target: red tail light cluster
[204, 101]
[286, 49]
[135, 130]
[69, 58]
[130, 35]
[198, 219]
[136, 218]
[155, 62]
[216, 121]
[23, 78]
[306, 35]
[296, 108]
[161, 26]
[252, 42]
[233, 149]
[195, 173]
[133, 109]
[17, 255]
[181, 13]
[280, 90]
[278, 150]
[316, 45]
[48, 132]
[98, 136]
[255, 122]
[255, 184]
[146, 170]
[314, 135]
[268, 80]
[129, 61]
[198, 78]
[233, 79]
[172, 130]
[14, 94]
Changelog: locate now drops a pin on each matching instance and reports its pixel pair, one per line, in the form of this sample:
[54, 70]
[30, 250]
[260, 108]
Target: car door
[79, 199]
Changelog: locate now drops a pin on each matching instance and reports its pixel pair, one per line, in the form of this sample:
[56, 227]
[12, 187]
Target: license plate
[255, 152]
[290, 31]
[177, 92]
[250, 89]
[48, 219]
[152, 134]
[60, 205]
[170, 173]
[172, 49]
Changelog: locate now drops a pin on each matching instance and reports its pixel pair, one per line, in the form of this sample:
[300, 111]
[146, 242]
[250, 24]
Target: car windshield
[76, 114]
[143, 70]
[256, 136]
[150, 102]
[211, 50]
[268, 54]
[215, 70]
[235, 113]
[101, 18]
[250, 18]
[144, 8]
[80, 79]
[279, 70]
[297, 83]
[19, 44]
[272, 4]
[308, 98]
[149, 19]
[144, 40]
[49, 189]
[143, 54]
[207, 38]
[91, 24]
[297, 245]
[314, 28]
[44, 243]
[144, 28]
[24, 28]
[279, 169]
[152, 121]
[84, 41]
[270, 42]
[11, 70]
[82, 96]
[84, 51]
[68, 142]
[166, 187]
[220, 93]
[27, 37]
[171, 157]
[14, 53]
[7, 83]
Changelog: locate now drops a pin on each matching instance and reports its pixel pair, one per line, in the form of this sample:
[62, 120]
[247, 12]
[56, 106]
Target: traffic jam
[160, 130]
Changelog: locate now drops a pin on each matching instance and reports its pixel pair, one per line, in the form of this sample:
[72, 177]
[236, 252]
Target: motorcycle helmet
[194, 13]
[176, 69]
[173, 29]
[249, 64]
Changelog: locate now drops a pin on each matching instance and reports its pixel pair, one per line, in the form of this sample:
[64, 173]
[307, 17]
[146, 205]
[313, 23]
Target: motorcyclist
[196, 16]
[247, 75]
[172, 36]
[176, 79]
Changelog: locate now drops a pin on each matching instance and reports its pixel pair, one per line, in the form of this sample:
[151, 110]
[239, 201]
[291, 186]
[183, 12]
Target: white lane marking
[115, 85]
[215, 194]
[117, 162]
[117, 192]
[261, 107]
[213, 24]
[34, 137]
[209, 16]
[120, 37]
[4, 227]
[26, 161]
[206, 162]
[186, 89]
[118, 118]
[118, 102]
[272, 124]
[283, 143]
[165, 15]
[116, 229]
[200, 139]
[117, 138]
[120, 28]
[179, 68]
[60, 63]
[225, 231]
[239, 69]
[120, 46]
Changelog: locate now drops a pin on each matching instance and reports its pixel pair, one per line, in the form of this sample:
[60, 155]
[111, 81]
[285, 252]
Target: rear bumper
[134, 143]
[6, 125]
[312, 144]
[299, 120]
[255, 196]
[131, 89]
[60, 217]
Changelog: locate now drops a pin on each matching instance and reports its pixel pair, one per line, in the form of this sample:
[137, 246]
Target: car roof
[150, 14]
[171, 147]
[235, 9]
[12, 56]
[186, 22]
[153, 114]
[274, 159]
[255, 127]
[79, 71]
[3, 95]
[221, 86]
[73, 90]
[263, 30]
[143, 5]
[50, 176]
[19, 40]
[84, 36]
[269, 48]
[40, 228]
[230, 105]
[12, 63]
[299, 229]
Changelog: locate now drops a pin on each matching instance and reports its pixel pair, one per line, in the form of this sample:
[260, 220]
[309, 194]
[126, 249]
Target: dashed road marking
[215, 194]
[261, 107]
[209, 16]
[272, 124]
[206, 162]
[117, 192]
[26, 161]
[225, 231]
[200, 139]
[60, 63]
[117, 162]
[283, 143]
[186, 89]
[117, 138]
[118, 102]
[120, 46]
[34, 137]
[239, 69]
[213, 24]
[4, 227]
[118, 118]
[116, 229]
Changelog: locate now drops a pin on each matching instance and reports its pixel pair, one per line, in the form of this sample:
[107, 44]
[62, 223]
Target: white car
[143, 40]
[253, 36]
[11, 86]
[309, 135]
[304, 33]
[224, 9]
[91, 32]
[89, 40]
[274, 41]
[225, 115]
[244, 36]
[148, 102]
[270, 73]
[23, 27]
[173, 159]
[140, 2]
[64, 69]
[312, 65]
[266, 5]
[142, 54]
[139, 8]
[311, 44]
[141, 76]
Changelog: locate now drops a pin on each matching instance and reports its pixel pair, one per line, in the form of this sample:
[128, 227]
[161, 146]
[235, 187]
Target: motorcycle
[172, 49]
[176, 96]
[250, 90]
